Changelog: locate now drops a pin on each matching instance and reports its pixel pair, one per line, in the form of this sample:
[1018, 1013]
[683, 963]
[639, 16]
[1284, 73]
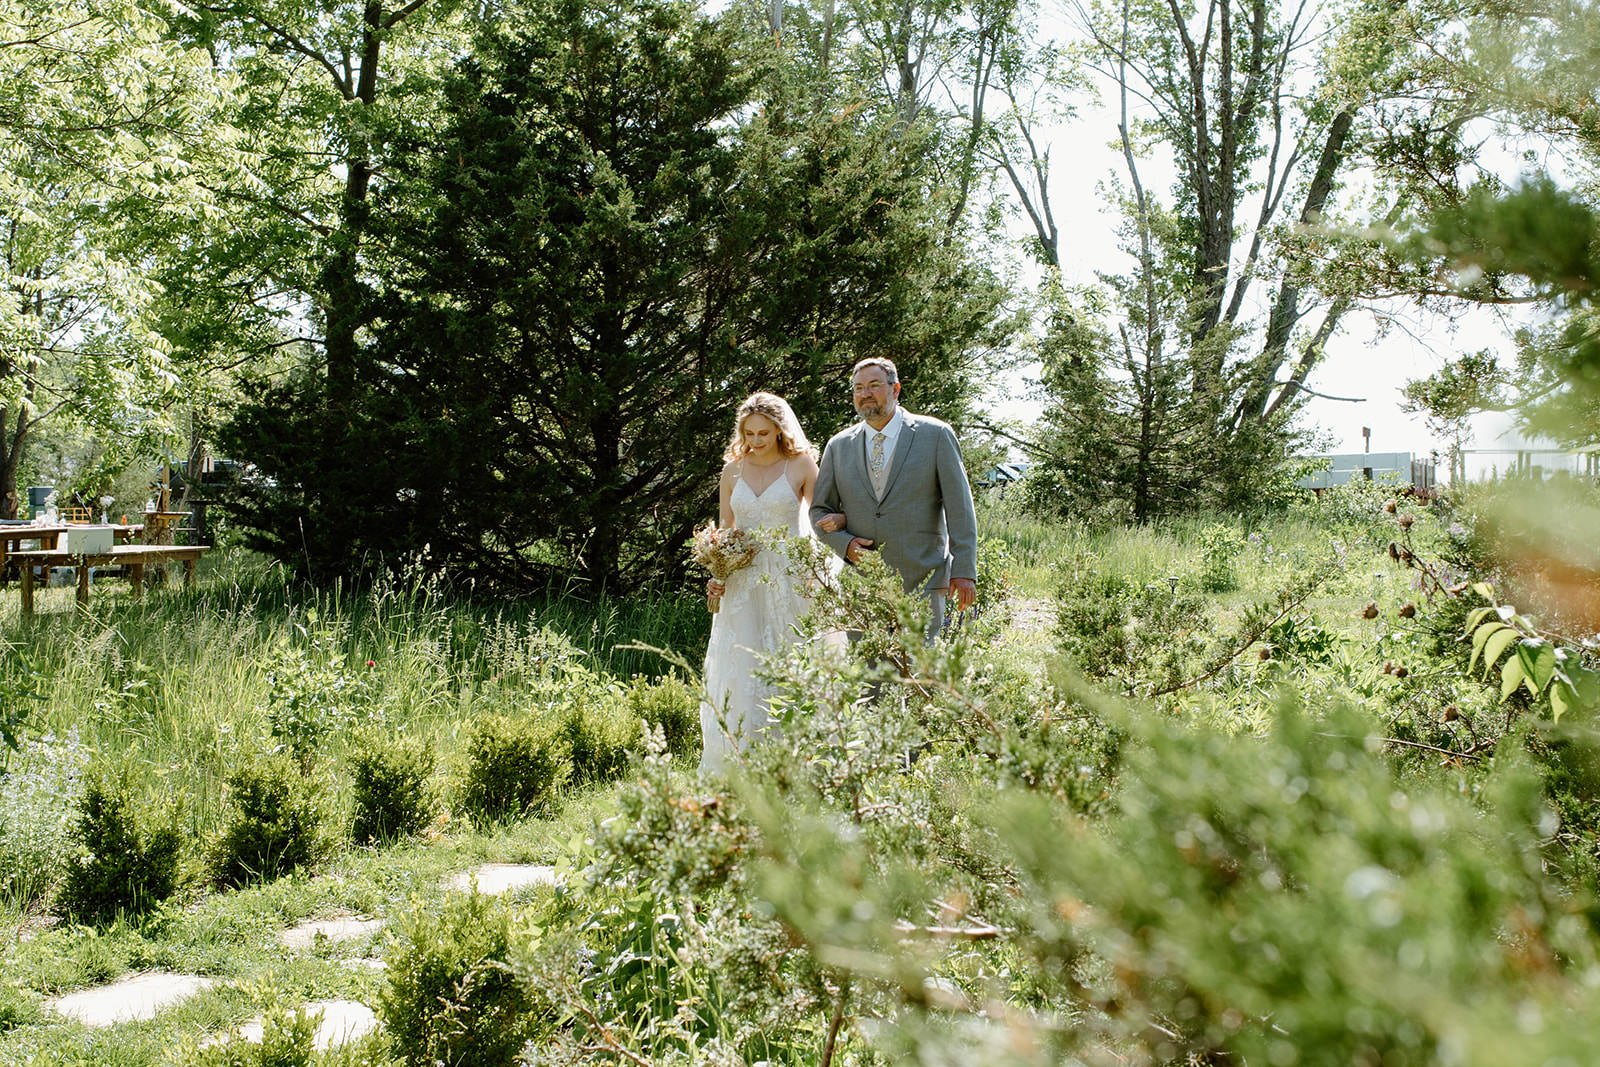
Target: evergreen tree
[623, 225]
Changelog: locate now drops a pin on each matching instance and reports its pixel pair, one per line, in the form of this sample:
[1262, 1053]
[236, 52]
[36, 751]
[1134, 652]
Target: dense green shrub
[515, 765]
[130, 859]
[671, 704]
[390, 785]
[38, 794]
[1141, 636]
[1220, 548]
[600, 737]
[275, 823]
[451, 996]
[311, 691]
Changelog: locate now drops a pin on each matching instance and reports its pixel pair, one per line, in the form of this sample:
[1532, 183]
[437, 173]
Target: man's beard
[868, 409]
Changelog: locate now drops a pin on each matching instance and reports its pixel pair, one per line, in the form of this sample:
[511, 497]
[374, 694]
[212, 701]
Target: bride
[766, 485]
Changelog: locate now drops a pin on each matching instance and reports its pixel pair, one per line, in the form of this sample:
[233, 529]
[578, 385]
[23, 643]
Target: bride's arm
[829, 523]
[730, 474]
[808, 481]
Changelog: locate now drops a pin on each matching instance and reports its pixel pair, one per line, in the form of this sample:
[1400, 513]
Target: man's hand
[859, 546]
[965, 591]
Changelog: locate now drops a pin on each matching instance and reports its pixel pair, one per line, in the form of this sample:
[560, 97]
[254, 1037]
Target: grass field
[1206, 621]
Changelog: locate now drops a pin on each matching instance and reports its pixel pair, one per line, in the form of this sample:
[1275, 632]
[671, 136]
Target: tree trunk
[11, 442]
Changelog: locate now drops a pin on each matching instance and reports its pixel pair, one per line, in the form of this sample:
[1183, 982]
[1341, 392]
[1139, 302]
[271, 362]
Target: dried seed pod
[1400, 672]
[1394, 550]
[1388, 667]
[1390, 505]
[1408, 611]
[1451, 713]
[1263, 653]
[1406, 520]
[1370, 611]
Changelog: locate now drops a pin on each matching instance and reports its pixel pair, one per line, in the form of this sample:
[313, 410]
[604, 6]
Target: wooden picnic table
[133, 557]
[12, 535]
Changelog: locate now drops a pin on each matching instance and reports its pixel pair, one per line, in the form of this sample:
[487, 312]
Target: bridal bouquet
[722, 551]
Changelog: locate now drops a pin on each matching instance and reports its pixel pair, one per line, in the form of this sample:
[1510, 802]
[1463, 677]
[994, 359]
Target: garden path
[130, 999]
[493, 879]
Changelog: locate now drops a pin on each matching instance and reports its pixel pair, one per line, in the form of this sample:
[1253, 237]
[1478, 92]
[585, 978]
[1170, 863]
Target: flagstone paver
[339, 928]
[342, 1022]
[494, 879]
[136, 997]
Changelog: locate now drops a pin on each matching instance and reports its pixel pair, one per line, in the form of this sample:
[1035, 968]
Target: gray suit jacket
[925, 525]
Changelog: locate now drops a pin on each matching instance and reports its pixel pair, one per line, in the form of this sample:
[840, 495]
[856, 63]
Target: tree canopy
[622, 224]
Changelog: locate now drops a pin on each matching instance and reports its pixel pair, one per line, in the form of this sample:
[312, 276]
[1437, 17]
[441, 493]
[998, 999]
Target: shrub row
[123, 854]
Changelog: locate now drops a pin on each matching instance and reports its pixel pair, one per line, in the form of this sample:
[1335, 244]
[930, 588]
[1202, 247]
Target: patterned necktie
[876, 462]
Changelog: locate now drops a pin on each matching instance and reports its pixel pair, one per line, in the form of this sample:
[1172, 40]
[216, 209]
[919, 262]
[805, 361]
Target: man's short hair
[886, 365]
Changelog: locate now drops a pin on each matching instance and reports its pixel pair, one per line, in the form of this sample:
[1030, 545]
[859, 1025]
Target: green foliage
[1221, 544]
[670, 705]
[451, 996]
[1166, 394]
[599, 735]
[1528, 659]
[1300, 640]
[38, 793]
[288, 1039]
[598, 305]
[311, 692]
[1539, 237]
[128, 861]
[17, 1008]
[275, 823]
[1205, 895]
[391, 786]
[671, 965]
[515, 767]
[109, 125]
[1137, 634]
[19, 693]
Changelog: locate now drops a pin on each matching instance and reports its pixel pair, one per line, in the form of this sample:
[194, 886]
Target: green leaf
[1562, 698]
[1495, 647]
[1538, 659]
[1478, 639]
[1585, 687]
[1511, 675]
[1485, 590]
[1476, 617]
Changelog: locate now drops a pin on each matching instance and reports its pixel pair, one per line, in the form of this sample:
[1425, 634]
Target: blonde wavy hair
[792, 439]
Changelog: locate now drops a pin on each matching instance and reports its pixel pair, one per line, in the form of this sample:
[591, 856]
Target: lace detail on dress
[759, 610]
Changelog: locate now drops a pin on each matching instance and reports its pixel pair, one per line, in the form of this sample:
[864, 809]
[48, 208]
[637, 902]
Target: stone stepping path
[341, 1022]
[131, 999]
[493, 879]
[338, 928]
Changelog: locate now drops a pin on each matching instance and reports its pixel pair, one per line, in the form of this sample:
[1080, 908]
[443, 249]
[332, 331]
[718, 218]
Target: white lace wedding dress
[757, 617]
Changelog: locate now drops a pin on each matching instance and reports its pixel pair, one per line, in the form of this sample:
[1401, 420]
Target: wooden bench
[132, 557]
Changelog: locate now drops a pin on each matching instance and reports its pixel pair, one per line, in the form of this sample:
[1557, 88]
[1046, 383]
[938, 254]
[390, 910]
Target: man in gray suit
[899, 480]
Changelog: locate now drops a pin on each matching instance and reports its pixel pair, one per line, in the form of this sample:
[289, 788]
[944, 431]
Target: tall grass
[175, 686]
